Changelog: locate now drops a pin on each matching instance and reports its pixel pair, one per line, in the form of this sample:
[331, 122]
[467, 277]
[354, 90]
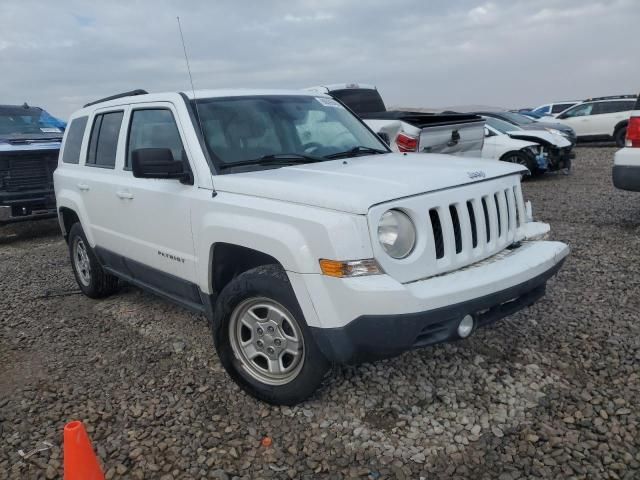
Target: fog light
[465, 326]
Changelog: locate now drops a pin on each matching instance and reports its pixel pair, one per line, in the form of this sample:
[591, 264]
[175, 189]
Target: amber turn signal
[350, 268]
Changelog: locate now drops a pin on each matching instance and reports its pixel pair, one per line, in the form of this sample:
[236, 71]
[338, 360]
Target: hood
[544, 124]
[355, 184]
[540, 136]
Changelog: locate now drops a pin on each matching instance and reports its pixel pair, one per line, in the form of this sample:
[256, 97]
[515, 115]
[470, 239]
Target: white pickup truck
[406, 131]
[294, 229]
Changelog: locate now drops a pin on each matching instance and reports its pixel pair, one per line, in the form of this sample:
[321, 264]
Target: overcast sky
[61, 54]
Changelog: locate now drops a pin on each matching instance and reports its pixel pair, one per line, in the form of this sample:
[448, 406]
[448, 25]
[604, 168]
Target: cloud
[425, 54]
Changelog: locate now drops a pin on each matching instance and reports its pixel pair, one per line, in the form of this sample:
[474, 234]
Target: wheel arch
[619, 125]
[228, 260]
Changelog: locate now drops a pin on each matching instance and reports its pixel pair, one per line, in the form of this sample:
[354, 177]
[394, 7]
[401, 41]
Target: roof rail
[611, 97]
[132, 93]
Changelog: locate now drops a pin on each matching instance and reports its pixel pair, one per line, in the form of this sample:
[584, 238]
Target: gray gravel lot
[553, 391]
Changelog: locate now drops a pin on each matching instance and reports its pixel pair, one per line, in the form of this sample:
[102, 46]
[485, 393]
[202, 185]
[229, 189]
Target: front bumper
[401, 318]
[23, 207]
[626, 177]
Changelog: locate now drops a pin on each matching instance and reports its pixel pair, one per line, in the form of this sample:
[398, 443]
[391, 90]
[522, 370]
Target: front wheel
[263, 340]
[619, 136]
[523, 159]
[92, 279]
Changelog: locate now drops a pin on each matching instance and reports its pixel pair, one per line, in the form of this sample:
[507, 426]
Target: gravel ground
[550, 392]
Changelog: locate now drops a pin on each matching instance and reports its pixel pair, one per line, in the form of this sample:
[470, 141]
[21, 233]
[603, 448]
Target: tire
[521, 159]
[619, 136]
[260, 306]
[91, 278]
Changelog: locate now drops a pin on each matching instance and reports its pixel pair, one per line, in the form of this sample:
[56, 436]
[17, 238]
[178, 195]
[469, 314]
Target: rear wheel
[619, 136]
[263, 340]
[92, 279]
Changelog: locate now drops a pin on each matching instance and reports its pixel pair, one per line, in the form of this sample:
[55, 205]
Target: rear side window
[73, 142]
[616, 106]
[103, 142]
[154, 128]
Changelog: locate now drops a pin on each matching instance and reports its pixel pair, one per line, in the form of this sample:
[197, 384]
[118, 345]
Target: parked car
[29, 146]
[601, 118]
[554, 108]
[295, 229]
[405, 131]
[626, 164]
[538, 150]
[527, 123]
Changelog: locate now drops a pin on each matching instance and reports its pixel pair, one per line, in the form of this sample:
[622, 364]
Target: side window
[542, 110]
[103, 142]
[579, 111]
[616, 106]
[560, 107]
[154, 128]
[73, 142]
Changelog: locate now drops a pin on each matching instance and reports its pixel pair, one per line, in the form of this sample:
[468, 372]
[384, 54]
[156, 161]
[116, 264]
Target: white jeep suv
[292, 227]
[601, 118]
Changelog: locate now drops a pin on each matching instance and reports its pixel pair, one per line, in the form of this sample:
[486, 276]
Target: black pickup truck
[30, 141]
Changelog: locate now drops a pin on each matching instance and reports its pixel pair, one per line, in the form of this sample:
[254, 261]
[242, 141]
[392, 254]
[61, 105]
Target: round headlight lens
[396, 233]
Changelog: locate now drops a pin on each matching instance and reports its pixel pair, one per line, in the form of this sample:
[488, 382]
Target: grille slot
[457, 234]
[518, 219]
[498, 213]
[436, 226]
[487, 225]
[474, 229]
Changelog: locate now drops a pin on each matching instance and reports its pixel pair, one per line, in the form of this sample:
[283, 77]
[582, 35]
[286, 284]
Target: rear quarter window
[73, 142]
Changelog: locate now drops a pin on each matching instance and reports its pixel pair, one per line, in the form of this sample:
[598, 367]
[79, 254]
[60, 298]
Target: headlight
[396, 233]
[556, 132]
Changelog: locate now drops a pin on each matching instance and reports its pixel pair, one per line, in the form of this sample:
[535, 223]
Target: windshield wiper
[355, 151]
[276, 159]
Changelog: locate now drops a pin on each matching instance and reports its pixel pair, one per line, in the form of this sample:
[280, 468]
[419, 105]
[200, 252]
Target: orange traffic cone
[80, 461]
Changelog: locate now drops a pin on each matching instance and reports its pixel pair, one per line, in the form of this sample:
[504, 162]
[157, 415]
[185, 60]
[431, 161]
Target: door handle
[83, 186]
[124, 195]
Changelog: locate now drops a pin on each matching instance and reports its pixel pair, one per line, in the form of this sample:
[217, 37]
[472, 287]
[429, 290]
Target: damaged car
[538, 150]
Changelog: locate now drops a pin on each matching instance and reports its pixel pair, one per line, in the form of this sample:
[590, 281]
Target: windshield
[17, 121]
[241, 129]
[501, 125]
[516, 118]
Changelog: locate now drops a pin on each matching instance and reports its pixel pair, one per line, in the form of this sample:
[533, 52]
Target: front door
[155, 214]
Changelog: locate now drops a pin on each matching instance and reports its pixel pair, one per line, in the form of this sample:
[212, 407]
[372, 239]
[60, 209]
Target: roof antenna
[193, 90]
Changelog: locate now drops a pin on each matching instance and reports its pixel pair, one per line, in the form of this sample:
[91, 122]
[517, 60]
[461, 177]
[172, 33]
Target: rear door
[99, 176]
[611, 113]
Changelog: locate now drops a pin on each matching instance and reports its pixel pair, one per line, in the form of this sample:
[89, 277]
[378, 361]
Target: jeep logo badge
[476, 174]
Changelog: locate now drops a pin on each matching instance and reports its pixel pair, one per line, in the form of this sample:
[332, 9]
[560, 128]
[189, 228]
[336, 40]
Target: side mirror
[157, 163]
[487, 133]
